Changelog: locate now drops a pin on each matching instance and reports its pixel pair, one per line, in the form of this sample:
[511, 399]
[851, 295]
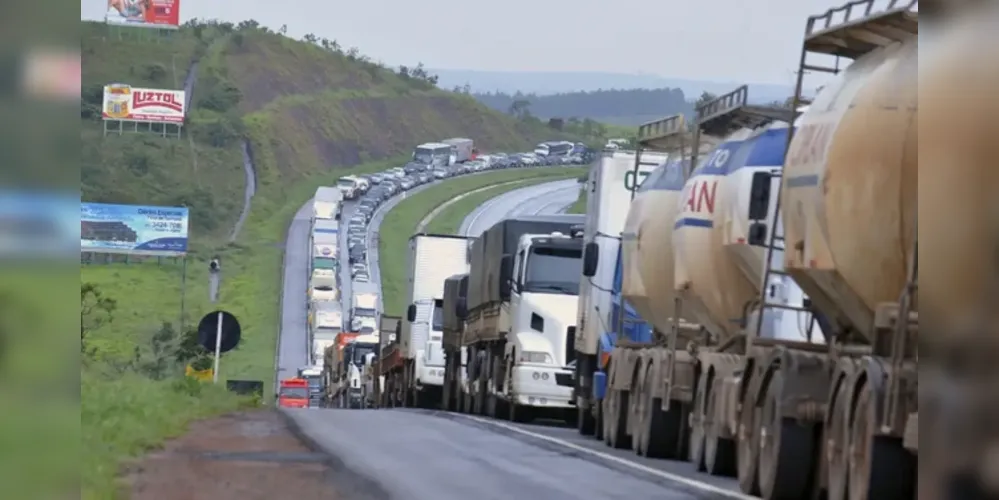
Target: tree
[310, 38]
[403, 72]
[704, 98]
[96, 310]
[466, 89]
[520, 108]
[283, 29]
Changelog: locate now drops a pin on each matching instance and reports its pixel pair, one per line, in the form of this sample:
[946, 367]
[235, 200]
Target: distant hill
[615, 107]
[304, 107]
[543, 83]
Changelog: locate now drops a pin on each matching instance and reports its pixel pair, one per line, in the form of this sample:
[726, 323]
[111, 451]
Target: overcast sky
[744, 40]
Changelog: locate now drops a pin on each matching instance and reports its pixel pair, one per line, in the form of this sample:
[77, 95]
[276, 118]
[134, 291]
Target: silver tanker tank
[958, 171]
[718, 270]
[850, 182]
[646, 250]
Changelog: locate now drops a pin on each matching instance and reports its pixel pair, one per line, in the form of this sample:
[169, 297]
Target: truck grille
[563, 379]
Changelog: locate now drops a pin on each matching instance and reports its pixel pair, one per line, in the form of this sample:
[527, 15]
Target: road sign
[215, 323]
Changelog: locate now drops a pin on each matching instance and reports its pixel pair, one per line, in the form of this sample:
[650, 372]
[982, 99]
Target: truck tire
[585, 421]
[880, 467]
[719, 452]
[787, 449]
[617, 425]
[748, 439]
[696, 446]
[663, 433]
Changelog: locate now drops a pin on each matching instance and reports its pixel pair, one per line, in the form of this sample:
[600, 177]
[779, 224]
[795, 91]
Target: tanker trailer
[612, 180]
[831, 420]
[720, 256]
[958, 186]
[627, 347]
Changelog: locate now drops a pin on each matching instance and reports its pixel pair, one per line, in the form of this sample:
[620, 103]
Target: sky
[719, 40]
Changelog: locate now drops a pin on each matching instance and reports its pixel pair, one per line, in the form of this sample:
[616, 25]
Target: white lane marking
[686, 481]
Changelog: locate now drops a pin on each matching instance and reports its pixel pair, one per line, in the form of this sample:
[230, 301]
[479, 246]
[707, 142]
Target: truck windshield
[364, 311]
[423, 155]
[360, 351]
[437, 322]
[345, 183]
[294, 392]
[554, 270]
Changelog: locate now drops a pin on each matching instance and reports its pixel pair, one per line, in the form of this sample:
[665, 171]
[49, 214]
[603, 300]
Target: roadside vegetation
[401, 221]
[579, 206]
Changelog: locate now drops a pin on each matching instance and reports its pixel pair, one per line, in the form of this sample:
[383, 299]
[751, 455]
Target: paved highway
[542, 199]
[414, 454]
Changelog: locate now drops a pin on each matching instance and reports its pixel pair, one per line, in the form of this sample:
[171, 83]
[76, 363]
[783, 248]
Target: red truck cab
[294, 393]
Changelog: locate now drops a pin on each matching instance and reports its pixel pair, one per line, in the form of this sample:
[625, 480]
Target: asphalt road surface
[542, 199]
[417, 455]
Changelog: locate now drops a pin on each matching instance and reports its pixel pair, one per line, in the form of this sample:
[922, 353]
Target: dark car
[356, 254]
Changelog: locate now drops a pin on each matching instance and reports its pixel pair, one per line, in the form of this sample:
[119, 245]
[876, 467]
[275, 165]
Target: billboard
[133, 229]
[133, 104]
[160, 14]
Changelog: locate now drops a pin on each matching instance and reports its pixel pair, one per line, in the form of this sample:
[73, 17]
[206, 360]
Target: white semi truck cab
[544, 291]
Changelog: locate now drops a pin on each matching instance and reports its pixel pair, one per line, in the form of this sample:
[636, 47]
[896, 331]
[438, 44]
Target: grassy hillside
[309, 115]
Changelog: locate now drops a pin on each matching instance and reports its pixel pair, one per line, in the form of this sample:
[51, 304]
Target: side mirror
[757, 234]
[591, 256]
[461, 309]
[759, 196]
[411, 313]
[506, 276]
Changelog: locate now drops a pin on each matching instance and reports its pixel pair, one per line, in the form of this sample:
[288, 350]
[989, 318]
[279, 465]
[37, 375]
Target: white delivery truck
[420, 375]
[326, 203]
[325, 323]
[612, 179]
[364, 301]
[462, 149]
[349, 186]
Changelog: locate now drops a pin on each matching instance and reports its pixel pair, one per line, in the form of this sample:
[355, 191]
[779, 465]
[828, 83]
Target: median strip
[403, 220]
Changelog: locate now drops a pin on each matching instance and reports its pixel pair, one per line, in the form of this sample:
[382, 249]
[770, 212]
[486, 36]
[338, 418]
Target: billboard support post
[183, 292]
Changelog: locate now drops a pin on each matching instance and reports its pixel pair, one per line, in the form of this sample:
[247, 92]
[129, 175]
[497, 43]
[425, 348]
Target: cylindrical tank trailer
[775, 399]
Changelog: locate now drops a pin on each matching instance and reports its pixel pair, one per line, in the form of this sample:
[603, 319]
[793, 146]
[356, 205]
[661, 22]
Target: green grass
[448, 221]
[579, 206]
[401, 221]
[142, 413]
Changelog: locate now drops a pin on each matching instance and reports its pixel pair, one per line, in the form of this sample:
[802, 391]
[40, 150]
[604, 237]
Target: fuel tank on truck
[959, 172]
[646, 245]
[849, 187]
[717, 271]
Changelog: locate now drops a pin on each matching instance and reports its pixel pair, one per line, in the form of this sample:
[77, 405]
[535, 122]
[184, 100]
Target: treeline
[621, 107]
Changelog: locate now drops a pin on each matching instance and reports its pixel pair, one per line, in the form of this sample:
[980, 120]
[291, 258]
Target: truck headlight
[535, 357]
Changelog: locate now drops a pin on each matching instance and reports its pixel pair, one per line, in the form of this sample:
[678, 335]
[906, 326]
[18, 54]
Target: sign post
[218, 348]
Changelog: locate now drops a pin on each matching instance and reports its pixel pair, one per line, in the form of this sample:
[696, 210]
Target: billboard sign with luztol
[133, 104]
[160, 14]
[133, 229]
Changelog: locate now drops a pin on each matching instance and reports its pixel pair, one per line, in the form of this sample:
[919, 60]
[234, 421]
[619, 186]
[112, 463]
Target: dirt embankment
[243, 456]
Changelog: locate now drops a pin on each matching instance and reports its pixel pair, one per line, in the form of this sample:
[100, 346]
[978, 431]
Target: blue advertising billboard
[133, 229]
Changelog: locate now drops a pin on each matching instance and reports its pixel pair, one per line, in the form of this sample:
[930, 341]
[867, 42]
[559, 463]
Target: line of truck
[740, 294]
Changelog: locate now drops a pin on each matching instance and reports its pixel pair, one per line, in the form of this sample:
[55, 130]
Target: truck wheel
[719, 452]
[880, 468]
[749, 445]
[598, 419]
[521, 413]
[837, 440]
[608, 416]
[661, 433]
[618, 425]
[636, 412]
[696, 446]
[585, 422]
[491, 405]
[787, 448]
